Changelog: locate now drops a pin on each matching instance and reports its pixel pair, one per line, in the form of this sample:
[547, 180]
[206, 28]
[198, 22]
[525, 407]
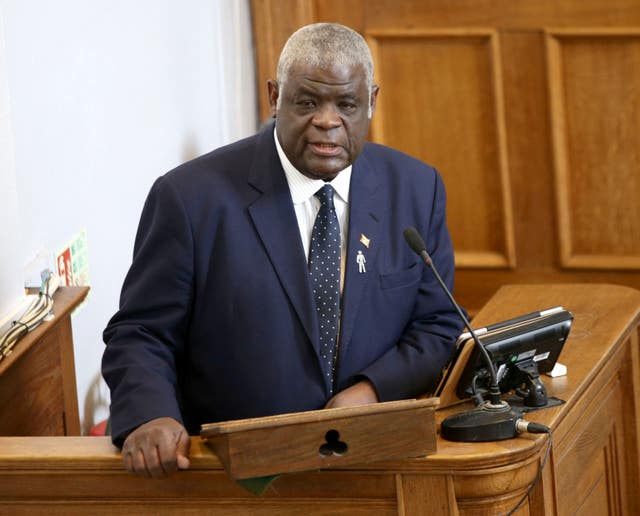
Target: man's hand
[361, 393]
[157, 448]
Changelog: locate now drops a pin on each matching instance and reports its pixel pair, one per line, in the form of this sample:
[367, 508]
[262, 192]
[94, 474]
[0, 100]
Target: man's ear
[373, 99]
[274, 92]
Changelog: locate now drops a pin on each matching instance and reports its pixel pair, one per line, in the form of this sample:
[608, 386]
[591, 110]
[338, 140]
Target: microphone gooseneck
[418, 246]
[494, 419]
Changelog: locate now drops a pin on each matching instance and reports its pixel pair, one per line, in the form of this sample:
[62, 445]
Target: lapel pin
[364, 240]
[361, 260]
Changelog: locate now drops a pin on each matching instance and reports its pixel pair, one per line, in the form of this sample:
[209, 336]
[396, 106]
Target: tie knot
[325, 196]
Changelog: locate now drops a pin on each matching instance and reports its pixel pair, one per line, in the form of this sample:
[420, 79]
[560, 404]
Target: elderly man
[247, 296]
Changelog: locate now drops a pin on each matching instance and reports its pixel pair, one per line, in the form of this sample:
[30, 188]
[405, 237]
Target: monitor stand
[532, 395]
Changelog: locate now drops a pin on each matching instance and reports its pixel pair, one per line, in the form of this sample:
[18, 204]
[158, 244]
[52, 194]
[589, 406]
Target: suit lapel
[275, 221]
[364, 233]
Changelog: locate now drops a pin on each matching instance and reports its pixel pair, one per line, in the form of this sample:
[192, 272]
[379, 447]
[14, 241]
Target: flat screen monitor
[520, 353]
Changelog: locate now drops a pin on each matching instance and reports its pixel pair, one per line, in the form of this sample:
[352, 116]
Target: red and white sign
[65, 269]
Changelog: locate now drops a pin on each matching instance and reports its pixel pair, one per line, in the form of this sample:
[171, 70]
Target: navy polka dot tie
[324, 269]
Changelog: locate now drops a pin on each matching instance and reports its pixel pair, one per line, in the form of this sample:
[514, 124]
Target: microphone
[494, 419]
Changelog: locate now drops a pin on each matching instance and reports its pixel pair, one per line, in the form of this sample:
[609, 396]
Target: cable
[533, 428]
[475, 395]
[40, 309]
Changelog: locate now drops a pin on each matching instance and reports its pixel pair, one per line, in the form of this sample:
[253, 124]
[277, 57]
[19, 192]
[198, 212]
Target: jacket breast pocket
[403, 278]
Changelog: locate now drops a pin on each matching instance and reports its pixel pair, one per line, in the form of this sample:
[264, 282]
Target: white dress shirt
[307, 205]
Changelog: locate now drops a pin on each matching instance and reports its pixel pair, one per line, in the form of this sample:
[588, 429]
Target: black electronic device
[520, 354]
[493, 419]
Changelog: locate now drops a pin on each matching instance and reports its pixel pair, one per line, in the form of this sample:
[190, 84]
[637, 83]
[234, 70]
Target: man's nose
[327, 116]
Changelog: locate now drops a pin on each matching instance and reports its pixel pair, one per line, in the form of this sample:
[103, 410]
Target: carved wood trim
[611, 452]
[38, 393]
[466, 259]
[437, 489]
[270, 31]
[85, 474]
[569, 257]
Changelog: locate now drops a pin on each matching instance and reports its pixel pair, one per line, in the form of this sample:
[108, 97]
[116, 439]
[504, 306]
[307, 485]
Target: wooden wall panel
[590, 457]
[503, 14]
[270, 32]
[36, 382]
[531, 112]
[460, 94]
[594, 82]
[38, 394]
[352, 13]
[529, 150]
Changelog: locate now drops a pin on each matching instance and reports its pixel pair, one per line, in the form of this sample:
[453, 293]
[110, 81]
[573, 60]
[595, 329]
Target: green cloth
[257, 485]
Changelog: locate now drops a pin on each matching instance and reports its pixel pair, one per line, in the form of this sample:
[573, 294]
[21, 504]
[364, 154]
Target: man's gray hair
[323, 45]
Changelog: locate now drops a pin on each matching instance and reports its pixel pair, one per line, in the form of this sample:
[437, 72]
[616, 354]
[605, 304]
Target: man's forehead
[334, 75]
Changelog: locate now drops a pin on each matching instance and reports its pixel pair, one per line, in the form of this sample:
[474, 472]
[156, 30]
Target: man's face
[322, 122]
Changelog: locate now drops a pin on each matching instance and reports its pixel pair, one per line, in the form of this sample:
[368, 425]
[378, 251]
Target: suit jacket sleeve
[414, 365]
[145, 337]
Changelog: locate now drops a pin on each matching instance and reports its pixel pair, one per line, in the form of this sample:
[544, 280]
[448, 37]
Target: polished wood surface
[38, 394]
[528, 109]
[593, 468]
[318, 439]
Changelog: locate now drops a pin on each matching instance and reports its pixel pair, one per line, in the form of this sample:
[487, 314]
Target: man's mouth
[325, 148]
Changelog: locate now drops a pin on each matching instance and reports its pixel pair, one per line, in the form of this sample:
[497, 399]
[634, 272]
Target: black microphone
[494, 419]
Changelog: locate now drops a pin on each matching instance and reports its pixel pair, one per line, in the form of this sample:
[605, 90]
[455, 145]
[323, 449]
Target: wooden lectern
[38, 393]
[593, 468]
[319, 439]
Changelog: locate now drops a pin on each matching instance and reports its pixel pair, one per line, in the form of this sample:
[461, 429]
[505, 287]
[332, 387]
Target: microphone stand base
[488, 422]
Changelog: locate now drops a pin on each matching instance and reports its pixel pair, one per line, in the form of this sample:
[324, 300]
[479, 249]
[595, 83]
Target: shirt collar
[303, 187]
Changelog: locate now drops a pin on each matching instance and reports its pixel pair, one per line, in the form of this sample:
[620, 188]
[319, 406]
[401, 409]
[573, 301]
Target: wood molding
[482, 260]
[603, 216]
[38, 394]
[593, 454]
[503, 255]
[499, 103]
[525, 15]
[531, 38]
[438, 489]
[270, 32]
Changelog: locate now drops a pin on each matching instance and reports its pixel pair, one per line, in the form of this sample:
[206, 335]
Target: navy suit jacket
[217, 318]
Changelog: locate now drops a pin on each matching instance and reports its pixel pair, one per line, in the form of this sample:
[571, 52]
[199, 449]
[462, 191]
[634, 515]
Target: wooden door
[529, 109]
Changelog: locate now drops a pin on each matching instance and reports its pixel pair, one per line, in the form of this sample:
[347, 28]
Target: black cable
[474, 385]
[475, 395]
[535, 428]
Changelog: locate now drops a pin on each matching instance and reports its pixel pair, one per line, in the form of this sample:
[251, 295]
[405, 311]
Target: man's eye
[348, 107]
[306, 104]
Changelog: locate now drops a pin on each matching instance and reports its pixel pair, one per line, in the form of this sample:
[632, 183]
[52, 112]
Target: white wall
[10, 260]
[106, 95]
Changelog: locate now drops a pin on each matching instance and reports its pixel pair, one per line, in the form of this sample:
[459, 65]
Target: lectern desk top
[324, 438]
